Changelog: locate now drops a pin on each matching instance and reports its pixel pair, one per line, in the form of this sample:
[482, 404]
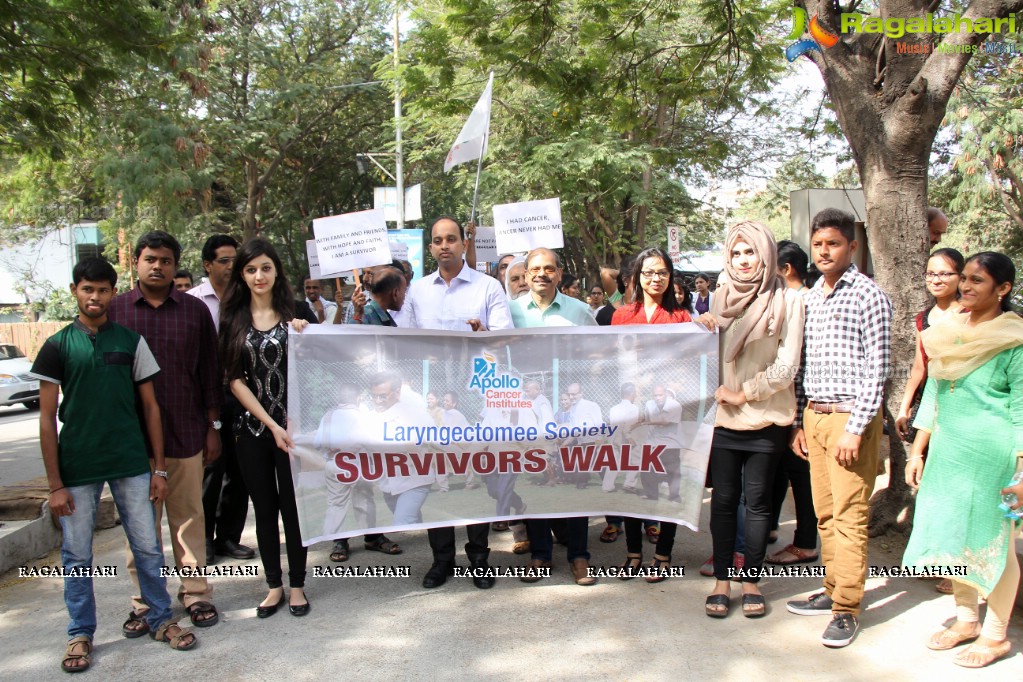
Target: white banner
[528, 225]
[352, 240]
[471, 143]
[386, 200]
[567, 421]
[486, 244]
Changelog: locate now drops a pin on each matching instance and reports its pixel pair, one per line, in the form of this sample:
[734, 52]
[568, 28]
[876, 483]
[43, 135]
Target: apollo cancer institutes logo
[897, 27]
[499, 391]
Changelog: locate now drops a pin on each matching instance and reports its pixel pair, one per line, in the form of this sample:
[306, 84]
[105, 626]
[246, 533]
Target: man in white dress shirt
[456, 297]
[325, 311]
[225, 499]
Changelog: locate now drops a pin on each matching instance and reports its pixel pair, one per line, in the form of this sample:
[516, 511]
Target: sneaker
[816, 605]
[840, 630]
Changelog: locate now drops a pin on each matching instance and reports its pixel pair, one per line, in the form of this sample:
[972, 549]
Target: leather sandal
[176, 641]
[339, 553]
[792, 555]
[633, 562]
[950, 639]
[383, 545]
[73, 654]
[753, 605]
[717, 600]
[611, 533]
[135, 626]
[986, 655]
[659, 568]
[203, 608]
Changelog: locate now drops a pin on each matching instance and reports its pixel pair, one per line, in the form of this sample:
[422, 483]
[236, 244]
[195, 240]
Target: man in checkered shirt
[846, 356]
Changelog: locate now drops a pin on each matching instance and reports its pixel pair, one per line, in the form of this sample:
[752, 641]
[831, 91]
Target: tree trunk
[899, 258]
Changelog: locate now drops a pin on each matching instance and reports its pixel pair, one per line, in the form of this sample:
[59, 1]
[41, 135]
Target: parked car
[16, 386]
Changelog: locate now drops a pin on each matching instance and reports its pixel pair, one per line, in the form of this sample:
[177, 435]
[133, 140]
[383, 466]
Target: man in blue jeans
[101, 367]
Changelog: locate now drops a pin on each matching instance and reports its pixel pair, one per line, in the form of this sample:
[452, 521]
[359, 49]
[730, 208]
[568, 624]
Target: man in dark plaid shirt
[182, 336]
[838, 426]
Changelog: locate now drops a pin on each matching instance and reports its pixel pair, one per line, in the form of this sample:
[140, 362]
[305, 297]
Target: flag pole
[479, 167]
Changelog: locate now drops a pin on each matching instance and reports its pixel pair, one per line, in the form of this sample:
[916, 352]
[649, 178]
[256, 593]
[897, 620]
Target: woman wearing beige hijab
[761, 335]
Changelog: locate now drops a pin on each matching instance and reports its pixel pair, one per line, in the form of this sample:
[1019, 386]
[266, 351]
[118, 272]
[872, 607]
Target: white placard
[352, 240]
[399, 251]
[386, 199]
[486, 244]
[674, 245]
[528, 225]
[314, 263]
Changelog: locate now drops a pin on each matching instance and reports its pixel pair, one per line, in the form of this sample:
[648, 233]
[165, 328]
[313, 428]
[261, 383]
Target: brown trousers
[840, 497]
[187, 529]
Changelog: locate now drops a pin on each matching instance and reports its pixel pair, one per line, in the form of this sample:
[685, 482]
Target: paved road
[20, 458]
[393, 629]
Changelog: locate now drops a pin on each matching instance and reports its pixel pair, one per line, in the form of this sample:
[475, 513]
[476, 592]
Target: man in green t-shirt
[101, 367]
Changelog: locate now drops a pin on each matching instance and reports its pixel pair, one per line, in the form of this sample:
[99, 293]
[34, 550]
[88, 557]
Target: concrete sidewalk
[392, 628]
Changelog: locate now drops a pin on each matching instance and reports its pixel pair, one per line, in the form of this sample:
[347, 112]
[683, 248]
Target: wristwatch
[215, 424]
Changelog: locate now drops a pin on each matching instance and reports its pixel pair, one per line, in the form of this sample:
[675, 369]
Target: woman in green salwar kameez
[971, 416]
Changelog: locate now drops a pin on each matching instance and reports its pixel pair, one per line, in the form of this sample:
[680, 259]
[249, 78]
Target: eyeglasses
[226, 260]
[547, 270]
[380, 397]
[942, 276]
[655, 274]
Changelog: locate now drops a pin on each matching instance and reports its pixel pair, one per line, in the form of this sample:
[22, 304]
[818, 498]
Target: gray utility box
[804, 204]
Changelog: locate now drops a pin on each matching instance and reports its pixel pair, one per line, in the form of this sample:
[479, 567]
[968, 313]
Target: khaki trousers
[840, 497]
[187, 529]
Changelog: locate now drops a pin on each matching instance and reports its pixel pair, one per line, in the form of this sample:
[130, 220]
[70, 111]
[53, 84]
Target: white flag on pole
[471, 143]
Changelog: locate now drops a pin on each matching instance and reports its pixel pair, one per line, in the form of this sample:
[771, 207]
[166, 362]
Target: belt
[829, 408]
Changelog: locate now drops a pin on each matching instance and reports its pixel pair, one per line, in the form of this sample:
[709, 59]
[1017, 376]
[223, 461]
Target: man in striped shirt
[846, 355]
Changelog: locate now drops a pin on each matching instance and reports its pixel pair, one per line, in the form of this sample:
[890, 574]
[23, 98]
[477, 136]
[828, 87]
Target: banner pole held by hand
[358, 280]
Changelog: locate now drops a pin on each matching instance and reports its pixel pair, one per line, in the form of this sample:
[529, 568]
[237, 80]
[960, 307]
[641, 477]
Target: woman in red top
[654, 302]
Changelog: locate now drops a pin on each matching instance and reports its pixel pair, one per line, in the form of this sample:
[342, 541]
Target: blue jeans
[407, 506]
[131, 495]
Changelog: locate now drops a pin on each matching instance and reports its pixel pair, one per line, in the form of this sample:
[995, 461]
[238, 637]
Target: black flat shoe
[301, 609]
[234, 550]
[438, 574]
[267, 611]
[484, 580]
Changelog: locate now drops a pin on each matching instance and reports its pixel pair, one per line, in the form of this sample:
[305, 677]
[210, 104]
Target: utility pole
[398, 171]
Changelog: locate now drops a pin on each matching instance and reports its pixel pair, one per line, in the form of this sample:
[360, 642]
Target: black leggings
[634, 537]
[267, 473]
[792, 469]
[756, 470]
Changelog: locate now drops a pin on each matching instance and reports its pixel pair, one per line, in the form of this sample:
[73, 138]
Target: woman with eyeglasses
[944, 271]
[942, 277]
[654, 302]
[761, 323]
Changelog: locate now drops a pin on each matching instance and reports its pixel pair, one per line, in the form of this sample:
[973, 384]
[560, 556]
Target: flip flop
[988, 654]
[949, 639]
[611, 533]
